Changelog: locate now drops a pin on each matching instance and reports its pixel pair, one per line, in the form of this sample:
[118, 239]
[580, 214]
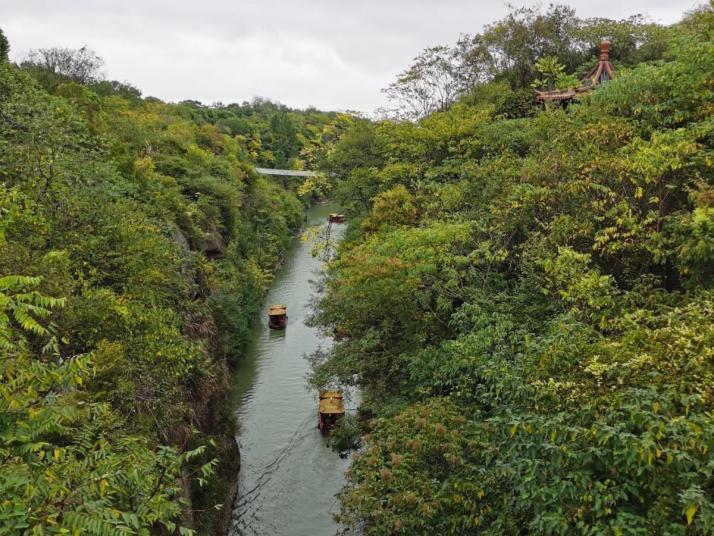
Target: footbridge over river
[286, 172]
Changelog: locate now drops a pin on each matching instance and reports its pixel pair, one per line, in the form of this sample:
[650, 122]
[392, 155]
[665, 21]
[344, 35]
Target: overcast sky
[333, 54]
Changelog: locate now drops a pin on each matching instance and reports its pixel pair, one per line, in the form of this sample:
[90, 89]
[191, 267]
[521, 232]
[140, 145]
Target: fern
[22, 306]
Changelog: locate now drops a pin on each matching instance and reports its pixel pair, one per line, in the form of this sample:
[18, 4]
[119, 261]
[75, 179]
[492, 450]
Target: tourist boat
[277, 317]
[337, 218]
[332, 408]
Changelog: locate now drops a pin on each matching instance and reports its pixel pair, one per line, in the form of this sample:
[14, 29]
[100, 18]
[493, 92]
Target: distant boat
[332, 408]
[277, 317]
[337, 218]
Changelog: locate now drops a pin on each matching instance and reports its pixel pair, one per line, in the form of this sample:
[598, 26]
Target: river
[289, 478]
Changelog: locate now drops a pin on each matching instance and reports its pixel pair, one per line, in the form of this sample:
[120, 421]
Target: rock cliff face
[214, 417]
[211, 418]
[214, 246]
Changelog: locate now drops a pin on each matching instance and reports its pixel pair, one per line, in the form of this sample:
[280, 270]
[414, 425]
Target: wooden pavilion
[602, 72]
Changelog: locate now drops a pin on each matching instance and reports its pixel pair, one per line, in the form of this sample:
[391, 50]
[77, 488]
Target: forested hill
[525, 294]
[136, 243]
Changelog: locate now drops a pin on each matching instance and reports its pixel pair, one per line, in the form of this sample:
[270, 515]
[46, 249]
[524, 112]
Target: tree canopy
[526, 303]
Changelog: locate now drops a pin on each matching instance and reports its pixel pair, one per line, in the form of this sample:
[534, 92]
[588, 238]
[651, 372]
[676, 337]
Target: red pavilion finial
[605, 50]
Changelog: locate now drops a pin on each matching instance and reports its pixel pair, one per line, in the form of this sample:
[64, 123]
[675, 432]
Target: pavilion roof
[602, 72]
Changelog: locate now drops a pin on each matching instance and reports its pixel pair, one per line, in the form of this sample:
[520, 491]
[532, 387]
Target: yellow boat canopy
[277, 310]
[331, 403]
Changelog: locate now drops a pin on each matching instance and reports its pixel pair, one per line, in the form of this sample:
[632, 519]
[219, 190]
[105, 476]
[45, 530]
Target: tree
[283, 141]
[552, 75]
[509, 48]
[114, 87]
[431, 84]
[80, 65]
[66, 463]
[392, 207]
[4, 47]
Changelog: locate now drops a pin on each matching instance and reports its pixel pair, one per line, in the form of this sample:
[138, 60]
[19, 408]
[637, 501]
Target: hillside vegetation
[136, 243]
[525, 298]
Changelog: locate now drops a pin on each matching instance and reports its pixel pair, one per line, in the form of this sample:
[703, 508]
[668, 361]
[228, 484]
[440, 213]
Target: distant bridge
[285, 172]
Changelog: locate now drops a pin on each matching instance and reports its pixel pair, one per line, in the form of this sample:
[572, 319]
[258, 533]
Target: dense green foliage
[136, 243]
[527, 307]
[273, 135]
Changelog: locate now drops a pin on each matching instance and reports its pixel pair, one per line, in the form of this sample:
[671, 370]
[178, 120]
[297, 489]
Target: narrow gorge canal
[288, 477]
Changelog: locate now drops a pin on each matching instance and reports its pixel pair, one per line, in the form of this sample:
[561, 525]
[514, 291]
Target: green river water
[288, 478]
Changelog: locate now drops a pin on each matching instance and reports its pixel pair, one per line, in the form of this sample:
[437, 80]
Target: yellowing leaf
[691, 510]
